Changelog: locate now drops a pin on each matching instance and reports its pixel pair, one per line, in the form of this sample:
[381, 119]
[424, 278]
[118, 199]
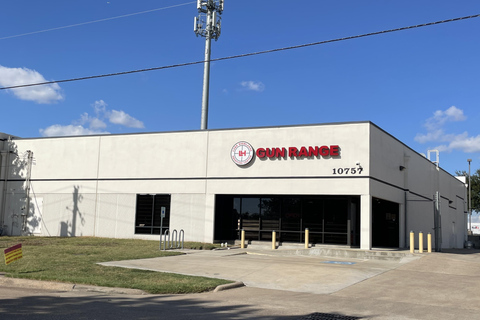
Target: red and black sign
[294, 152]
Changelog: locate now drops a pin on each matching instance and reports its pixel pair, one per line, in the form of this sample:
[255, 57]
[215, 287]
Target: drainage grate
[328, 316]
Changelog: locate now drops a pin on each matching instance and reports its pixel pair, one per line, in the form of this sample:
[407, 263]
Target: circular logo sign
[242, 153]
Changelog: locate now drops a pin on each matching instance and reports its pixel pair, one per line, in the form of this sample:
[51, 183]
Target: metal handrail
[289, 231]
[299, 232]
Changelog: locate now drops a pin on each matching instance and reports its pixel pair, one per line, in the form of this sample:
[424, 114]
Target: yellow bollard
[306, 238]
[274, 240]
[412, 242]
[242, 241]
[429, 242]
[420, 242]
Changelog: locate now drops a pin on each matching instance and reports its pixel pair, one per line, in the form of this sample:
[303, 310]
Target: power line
[245, 54]
[95, 21]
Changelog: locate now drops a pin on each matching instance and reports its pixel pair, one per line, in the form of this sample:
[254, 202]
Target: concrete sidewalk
[449, 280]
[280, 270]
[428, 286]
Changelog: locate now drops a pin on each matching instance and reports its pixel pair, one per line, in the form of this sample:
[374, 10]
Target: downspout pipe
[406, 216]
[27, 181]
[406, 188]
[5, 154]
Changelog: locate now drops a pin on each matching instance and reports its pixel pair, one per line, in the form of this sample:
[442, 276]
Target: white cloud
[451, 141]
[88, 124]
[253, 85]
[43, 94]
[100, 106]
[430, 136]
[69, 130]
[114, 116]
[467, 144]
[96, 123]
[452, 114]
[93, 122]
[120, 117]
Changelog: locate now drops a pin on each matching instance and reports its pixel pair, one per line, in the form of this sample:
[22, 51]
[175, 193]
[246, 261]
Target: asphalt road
[241, 303]
[21, 303]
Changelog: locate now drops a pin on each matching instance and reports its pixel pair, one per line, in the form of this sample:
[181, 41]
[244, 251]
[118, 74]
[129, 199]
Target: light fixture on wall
[401, 168]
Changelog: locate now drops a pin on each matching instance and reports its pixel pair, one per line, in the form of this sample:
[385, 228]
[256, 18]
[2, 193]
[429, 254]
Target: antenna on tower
[207, 24]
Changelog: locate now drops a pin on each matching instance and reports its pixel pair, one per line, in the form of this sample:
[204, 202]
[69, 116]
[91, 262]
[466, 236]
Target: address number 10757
[348, 170]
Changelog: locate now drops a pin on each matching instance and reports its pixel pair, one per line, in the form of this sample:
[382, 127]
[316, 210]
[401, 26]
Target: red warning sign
[13, 253]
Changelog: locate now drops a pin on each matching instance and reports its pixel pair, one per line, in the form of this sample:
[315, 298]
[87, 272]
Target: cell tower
[208, 25]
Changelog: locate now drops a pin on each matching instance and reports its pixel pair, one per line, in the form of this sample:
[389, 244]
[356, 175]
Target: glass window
[237, 205]
[251, 208]
[292, 208]
[270, 207]
[148, 217]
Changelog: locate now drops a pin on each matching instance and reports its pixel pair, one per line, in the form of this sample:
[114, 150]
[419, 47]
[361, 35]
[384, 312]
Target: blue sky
[420, 85]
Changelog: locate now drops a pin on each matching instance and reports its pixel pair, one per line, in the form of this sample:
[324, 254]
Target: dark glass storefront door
[328, 218]
[385, 224]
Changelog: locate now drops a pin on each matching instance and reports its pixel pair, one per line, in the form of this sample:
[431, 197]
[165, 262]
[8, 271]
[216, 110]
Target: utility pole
[469, 198]
[208, 25]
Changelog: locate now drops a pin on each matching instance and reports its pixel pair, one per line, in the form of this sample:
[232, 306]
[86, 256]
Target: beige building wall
[88, 185]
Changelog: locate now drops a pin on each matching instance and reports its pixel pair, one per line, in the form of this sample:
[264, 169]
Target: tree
[475, 180]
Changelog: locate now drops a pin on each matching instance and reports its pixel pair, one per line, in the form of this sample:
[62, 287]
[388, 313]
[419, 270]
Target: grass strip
[74, 260]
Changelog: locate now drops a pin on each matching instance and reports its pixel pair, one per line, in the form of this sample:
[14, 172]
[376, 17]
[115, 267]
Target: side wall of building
[401, 175]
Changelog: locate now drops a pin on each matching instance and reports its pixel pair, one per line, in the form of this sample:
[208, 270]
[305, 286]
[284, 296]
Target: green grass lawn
[73, 260]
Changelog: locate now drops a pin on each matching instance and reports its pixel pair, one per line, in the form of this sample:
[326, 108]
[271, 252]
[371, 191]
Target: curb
[60, 286]
[228, 286]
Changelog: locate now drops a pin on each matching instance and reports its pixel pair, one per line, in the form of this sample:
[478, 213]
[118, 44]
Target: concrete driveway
[278, 270]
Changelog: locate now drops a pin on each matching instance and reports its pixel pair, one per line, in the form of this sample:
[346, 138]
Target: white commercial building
[475, 228]
[348, 183]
